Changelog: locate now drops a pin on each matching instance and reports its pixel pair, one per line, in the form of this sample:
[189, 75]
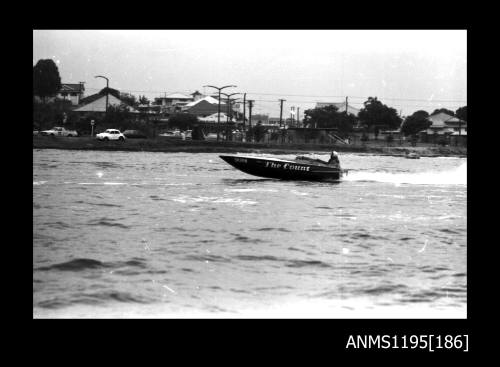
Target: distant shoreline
[190, 146]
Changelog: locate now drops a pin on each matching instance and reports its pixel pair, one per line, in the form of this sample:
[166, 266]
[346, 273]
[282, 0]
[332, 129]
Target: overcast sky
[407, 70]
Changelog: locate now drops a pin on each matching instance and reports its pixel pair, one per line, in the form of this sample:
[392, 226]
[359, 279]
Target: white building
[72, 92]
[442, 123]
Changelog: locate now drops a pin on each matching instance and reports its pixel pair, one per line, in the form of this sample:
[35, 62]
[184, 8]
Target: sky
[408, 70]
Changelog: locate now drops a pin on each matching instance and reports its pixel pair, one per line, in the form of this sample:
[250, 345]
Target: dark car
[131, 134]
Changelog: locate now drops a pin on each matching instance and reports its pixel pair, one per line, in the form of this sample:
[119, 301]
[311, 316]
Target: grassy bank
[178, 145]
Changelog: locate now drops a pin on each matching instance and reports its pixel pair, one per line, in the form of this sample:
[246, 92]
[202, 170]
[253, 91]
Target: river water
[146, 234]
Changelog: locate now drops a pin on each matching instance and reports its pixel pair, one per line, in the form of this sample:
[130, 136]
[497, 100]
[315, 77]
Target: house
[264, 119]
[69, 91]
[340, 106]
[444, 124]
[97, 103]
[445, 128]
[274, 122]
[204, 107]
[214, 118]
[149, 109]
[174, 102]
[72, 92]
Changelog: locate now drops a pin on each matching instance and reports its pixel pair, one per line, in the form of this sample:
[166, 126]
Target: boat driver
[334, 160]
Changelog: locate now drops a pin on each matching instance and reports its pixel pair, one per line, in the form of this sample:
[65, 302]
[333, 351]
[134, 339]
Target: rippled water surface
[140, 234]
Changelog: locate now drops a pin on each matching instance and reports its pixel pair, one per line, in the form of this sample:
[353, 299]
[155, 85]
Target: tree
[376, 113]
[461, 113]
[197, 133]
[183, 121]
[46, 79]
[329, 117]
[117, 116]
[129, 99]
[52, 114]
[144, 100]
[259, 131]
[445, 110]
[415, 123]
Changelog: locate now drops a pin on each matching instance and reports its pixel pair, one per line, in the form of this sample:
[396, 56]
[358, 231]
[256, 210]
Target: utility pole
[218, 109]
[250, 106]
[346, 105]
[281, 109]
[244, 102]
[298, 118]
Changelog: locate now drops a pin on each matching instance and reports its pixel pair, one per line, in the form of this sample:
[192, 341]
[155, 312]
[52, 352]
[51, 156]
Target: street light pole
[244, 103]
[250, 106]
[107, 90]
[218, 109]
[228, 110]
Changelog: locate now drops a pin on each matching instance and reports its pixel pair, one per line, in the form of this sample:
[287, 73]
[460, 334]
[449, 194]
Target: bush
[183, 121]
[197, 133]
[48, 115]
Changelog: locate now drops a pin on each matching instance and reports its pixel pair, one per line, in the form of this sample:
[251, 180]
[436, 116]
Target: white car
[171, 134]
[111, 134]
[59, 131]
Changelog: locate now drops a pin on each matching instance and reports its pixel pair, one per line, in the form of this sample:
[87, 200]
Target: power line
[307, 95]
[358, 97]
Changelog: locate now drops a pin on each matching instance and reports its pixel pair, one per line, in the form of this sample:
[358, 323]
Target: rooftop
[72, 87]
[176, 96]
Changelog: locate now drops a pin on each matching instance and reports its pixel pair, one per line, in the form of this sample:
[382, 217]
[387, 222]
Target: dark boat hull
[283, 169]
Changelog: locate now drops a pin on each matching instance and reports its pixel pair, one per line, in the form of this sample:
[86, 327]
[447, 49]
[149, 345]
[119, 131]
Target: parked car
[59, 131]
[134, 134]
[171, 134]
[110, 134]
[211, 136]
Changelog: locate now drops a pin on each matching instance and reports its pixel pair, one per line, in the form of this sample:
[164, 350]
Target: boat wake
[456, 176]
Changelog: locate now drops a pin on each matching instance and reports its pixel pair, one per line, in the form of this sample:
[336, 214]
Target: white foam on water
[251, 190]
[102, 183]
[213, 199]
[38, 183]
[456, 176]
[309, 309]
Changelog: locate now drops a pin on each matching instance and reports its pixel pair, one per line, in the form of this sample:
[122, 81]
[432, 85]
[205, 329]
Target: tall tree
[445, 110]
[144, 100]
[461, 113]
[129, 99]
[415, 123]
[329, 117]
[46, 79]
[375, 113]
[259, 132]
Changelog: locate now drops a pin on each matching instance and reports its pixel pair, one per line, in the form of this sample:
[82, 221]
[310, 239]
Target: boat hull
[282, 169]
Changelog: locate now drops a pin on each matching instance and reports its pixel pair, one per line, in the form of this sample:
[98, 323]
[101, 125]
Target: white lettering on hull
[287, 166]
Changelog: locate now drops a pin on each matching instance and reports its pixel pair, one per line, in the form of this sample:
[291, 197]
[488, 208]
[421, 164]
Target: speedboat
[302, 168]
